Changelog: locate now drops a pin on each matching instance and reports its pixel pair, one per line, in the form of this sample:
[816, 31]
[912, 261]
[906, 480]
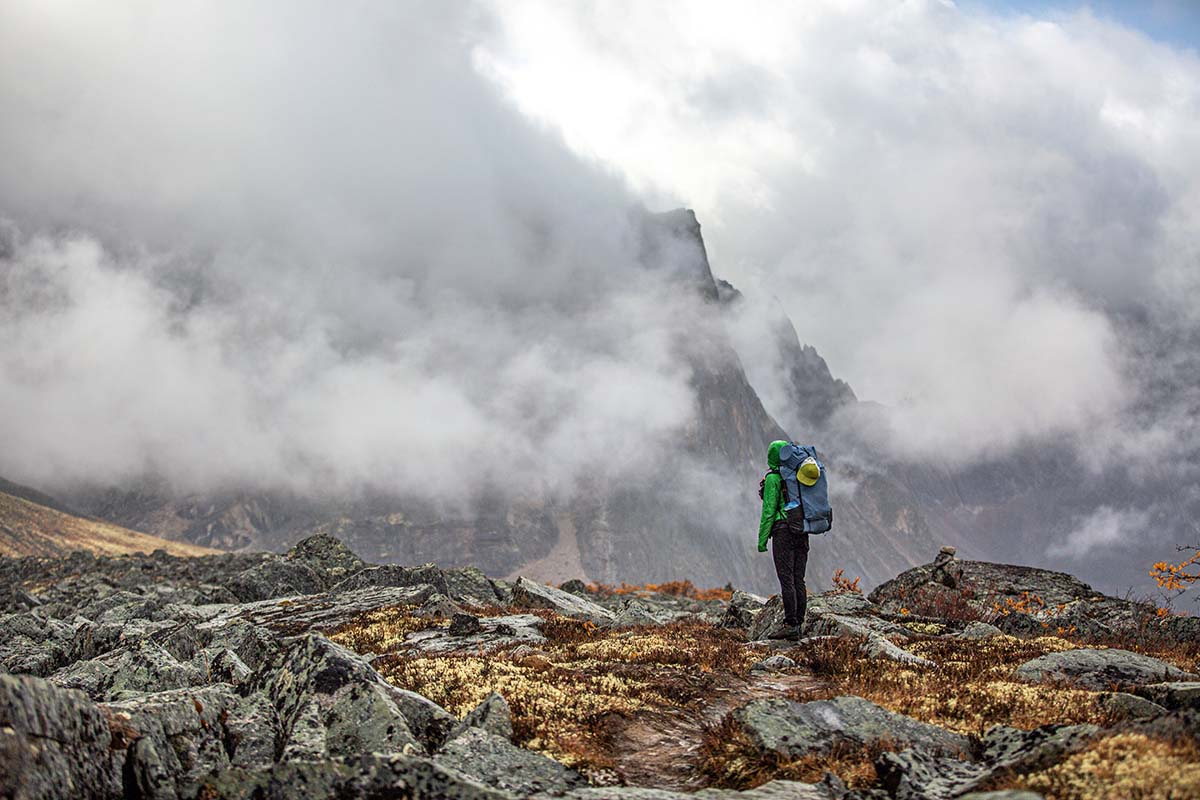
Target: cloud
[275, 246]
[971, 216]
[1103, 530]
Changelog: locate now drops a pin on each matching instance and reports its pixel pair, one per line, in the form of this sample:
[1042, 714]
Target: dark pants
[789, 548]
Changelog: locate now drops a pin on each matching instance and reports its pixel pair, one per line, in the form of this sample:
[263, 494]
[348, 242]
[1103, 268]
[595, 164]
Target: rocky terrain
[316, 674]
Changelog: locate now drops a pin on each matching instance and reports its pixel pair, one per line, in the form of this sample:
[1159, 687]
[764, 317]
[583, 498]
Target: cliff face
[696, 517]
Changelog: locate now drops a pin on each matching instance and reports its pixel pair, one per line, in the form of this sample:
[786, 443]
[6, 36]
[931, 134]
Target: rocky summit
[315, 674]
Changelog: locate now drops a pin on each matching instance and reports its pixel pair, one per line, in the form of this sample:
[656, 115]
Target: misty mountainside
[692, 510]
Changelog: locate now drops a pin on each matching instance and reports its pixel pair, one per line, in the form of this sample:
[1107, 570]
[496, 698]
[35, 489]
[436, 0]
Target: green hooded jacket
[772, 509]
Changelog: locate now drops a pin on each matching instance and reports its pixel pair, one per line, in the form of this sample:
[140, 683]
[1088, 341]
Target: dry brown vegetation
[564, 693]
[1127, 766]
[29, 529]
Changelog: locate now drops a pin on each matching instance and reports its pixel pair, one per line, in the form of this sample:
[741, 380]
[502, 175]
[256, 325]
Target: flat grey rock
[1099, 669]
[979, 630]
[514, 629]
[1122, 706]
[531, 594]
[793, 730]
[773, 664]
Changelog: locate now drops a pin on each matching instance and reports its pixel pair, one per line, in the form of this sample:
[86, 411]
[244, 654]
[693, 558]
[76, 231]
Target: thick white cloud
[292, 245]
[959, 210]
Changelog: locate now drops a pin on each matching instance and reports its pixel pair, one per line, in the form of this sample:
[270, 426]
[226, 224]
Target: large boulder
[1099, 669]
[176, 737]
[794, 730]
[332, 703]
[531, 594]
[54, 743]
[277, 577]
[327, 556]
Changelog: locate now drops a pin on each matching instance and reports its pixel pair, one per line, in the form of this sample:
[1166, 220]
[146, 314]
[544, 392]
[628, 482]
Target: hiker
[787, 530]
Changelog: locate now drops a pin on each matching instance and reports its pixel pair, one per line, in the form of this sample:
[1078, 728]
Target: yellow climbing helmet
[809, 473]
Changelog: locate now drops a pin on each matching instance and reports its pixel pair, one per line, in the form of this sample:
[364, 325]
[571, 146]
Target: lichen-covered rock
[979, 630]
[470, 585]
[330, 699]
[54, 743]
[634, 612]
[176, 737]
[741, 610]
[492, 714]
[773, 664]
[34, 644]
[1122, 706]
[327, 556]
[844, 603]
[531, 594]
[495, 761]
[793, 730]
[494, 632]
[369, 777]
[916, 774]
[277, 577]
[1176, 695]
[396, 575]
[140, 669]
[464, 625]
[768, 619]
[1099, 669]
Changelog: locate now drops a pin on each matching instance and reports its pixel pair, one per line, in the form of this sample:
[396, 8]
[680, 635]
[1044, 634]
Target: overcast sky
[299, 243]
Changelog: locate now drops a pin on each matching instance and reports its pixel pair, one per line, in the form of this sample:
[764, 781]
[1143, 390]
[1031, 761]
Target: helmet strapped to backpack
[805, 486]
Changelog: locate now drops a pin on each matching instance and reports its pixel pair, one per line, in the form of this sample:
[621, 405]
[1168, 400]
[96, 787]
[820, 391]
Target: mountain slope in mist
[692, 512]
[32, 528]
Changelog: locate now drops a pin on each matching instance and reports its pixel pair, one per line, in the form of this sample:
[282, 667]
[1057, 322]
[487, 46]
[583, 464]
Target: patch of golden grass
[1122, 767]
[706, 648]
[969, 690]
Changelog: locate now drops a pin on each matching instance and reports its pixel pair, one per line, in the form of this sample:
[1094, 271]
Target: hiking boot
[785, 632]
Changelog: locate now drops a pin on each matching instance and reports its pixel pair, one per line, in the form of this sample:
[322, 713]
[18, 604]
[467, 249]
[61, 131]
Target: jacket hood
[773, 453]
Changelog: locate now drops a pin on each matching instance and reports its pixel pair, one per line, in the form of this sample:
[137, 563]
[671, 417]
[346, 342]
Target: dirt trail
[662, 749]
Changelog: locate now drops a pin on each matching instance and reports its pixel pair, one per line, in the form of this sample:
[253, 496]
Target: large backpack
[811, 502]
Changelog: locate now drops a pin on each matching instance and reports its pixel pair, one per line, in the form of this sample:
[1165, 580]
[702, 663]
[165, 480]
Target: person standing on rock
[789, 547]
